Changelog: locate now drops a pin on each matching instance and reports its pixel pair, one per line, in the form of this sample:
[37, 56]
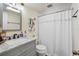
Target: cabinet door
[30, 50]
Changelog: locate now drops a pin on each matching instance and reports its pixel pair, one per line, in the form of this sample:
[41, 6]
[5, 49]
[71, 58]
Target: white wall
[75, 28]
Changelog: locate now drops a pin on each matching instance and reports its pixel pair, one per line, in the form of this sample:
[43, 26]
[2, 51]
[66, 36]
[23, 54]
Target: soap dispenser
[21, 34]
[25, 34]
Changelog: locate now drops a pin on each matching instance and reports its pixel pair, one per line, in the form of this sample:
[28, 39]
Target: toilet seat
[41, 49]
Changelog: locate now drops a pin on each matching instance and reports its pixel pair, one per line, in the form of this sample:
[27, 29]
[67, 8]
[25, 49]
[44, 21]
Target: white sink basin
[11, 42]
[16, 41]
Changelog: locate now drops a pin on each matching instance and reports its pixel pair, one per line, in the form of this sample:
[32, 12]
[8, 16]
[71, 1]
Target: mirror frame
[4, 6]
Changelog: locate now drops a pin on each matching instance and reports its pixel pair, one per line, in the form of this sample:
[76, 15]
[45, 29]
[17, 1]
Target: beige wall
[26, 14]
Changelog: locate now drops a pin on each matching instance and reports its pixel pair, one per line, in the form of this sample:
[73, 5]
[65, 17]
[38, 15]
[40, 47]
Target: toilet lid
[41, 47]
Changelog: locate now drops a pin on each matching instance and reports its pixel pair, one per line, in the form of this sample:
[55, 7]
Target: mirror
[11, 18]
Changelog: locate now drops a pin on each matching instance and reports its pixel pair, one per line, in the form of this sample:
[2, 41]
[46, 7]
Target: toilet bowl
[41, 50]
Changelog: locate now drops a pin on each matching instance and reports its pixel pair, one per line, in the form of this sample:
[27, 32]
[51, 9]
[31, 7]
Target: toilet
[41, 50]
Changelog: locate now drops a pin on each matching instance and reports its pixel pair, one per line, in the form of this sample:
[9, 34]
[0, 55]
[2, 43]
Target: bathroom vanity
[18, 47]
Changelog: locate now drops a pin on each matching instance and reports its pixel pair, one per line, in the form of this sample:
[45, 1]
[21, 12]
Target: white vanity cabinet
[29, 49]
[25, 49]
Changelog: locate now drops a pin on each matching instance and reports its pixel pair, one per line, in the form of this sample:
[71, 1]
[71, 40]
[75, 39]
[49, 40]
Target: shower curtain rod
[55, 12]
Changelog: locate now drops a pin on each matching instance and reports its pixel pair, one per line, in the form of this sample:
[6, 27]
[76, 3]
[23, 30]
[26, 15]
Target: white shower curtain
[55, 32]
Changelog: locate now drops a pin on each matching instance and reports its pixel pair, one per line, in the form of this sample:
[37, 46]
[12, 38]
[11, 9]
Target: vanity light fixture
[12, 9]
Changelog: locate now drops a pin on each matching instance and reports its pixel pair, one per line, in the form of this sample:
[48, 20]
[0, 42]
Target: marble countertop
[10, 44]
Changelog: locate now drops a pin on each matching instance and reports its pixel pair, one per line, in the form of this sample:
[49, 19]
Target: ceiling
[37, 6]
[43, 6]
